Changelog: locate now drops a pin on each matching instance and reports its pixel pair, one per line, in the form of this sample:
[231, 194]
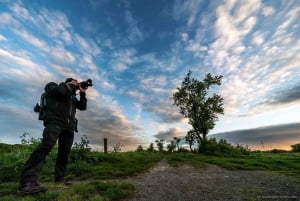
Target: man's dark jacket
[61, 105]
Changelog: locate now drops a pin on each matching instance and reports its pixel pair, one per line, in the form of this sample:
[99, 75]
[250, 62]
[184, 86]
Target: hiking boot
[31, 188]
[63, 181]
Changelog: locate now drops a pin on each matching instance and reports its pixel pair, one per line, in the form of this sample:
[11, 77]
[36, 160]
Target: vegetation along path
[212, 183]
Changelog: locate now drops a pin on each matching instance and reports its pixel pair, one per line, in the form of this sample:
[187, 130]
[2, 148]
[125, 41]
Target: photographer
[60, 124]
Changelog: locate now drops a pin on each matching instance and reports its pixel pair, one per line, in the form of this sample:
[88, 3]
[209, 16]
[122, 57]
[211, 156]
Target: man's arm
[81, 104]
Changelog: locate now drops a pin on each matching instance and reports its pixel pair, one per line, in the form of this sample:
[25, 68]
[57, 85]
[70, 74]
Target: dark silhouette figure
[60, 123]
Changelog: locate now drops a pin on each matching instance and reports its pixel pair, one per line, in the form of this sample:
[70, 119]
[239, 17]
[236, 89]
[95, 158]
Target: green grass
[108, 166]
[95, 190]
[95, 165]
[85, 168]
[287, 163]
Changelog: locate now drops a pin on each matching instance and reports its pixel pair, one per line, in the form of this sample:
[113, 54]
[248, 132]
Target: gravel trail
[212, 183]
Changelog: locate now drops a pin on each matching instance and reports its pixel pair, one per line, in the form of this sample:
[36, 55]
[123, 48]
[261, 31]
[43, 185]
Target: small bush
[140, 148]
[81, 150]
[276, 151]
[222, 148]
[296, 147]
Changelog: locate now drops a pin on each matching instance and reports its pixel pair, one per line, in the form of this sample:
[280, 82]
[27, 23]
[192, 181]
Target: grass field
[93, 173]
[286, 163]
[89, 170]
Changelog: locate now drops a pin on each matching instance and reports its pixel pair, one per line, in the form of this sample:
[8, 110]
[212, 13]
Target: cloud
[104, 119]
[154, 83]
[258, 38]
[250, 78]
[270, 137]
[267, 10]
[123, 59]
[290, 17]
[187, 10]
[66, 48]
[195, 47]
[2, 38]
[63, 72]
[25, 119]
[7, 19]
[61, 55]
[167, 112]
[134, 32]
[285, 96]
[253, 72]
[87, 46]
[20, 11]
[53, 24]
[25, 69]
[234, 21]
[169, 134]
[139, 96]
[31, 39]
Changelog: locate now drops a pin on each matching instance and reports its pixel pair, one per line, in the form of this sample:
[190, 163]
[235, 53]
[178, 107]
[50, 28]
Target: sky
[137, 53]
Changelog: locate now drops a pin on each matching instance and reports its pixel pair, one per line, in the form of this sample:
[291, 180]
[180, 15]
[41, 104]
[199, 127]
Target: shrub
[221, 148]
[140, 148]
[117, 148]
[276, 151]
[80, 150]
[160, 145]
[151, 147]
[296, 147]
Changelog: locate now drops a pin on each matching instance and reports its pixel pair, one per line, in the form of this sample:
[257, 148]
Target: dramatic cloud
[104, 119]
[287, 96]
[270, 137]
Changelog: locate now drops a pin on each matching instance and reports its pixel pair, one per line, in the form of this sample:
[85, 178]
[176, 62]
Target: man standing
[60, 123]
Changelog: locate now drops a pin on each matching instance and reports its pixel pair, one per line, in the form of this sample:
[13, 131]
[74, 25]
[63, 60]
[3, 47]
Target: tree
[140, 148]
[151, 147]
[160, 145]
[190, 138]
[177, 141]
[171, 147]
[198, 105]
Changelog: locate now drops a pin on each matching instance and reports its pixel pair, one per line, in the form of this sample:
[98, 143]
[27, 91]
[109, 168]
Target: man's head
[69, 80]
[72, 81]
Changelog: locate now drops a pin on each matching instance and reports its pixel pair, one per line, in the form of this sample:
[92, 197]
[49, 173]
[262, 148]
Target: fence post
[105, 145]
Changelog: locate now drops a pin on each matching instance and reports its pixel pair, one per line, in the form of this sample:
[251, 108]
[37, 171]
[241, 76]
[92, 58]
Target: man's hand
[82, 89]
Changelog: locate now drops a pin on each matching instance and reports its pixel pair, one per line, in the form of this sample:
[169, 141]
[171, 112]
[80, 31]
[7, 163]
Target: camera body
[85, 84]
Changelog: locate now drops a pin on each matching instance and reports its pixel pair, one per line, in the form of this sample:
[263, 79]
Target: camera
[85, 84]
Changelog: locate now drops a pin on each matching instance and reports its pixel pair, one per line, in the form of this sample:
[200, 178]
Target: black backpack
[40, 108]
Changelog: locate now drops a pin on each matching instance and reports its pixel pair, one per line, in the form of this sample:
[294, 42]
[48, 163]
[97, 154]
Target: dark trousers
[34, 164]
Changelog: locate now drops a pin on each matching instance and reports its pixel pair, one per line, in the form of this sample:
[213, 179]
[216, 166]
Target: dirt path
[185, 183]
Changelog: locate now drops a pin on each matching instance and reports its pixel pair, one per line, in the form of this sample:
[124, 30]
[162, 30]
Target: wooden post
[105, 145]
